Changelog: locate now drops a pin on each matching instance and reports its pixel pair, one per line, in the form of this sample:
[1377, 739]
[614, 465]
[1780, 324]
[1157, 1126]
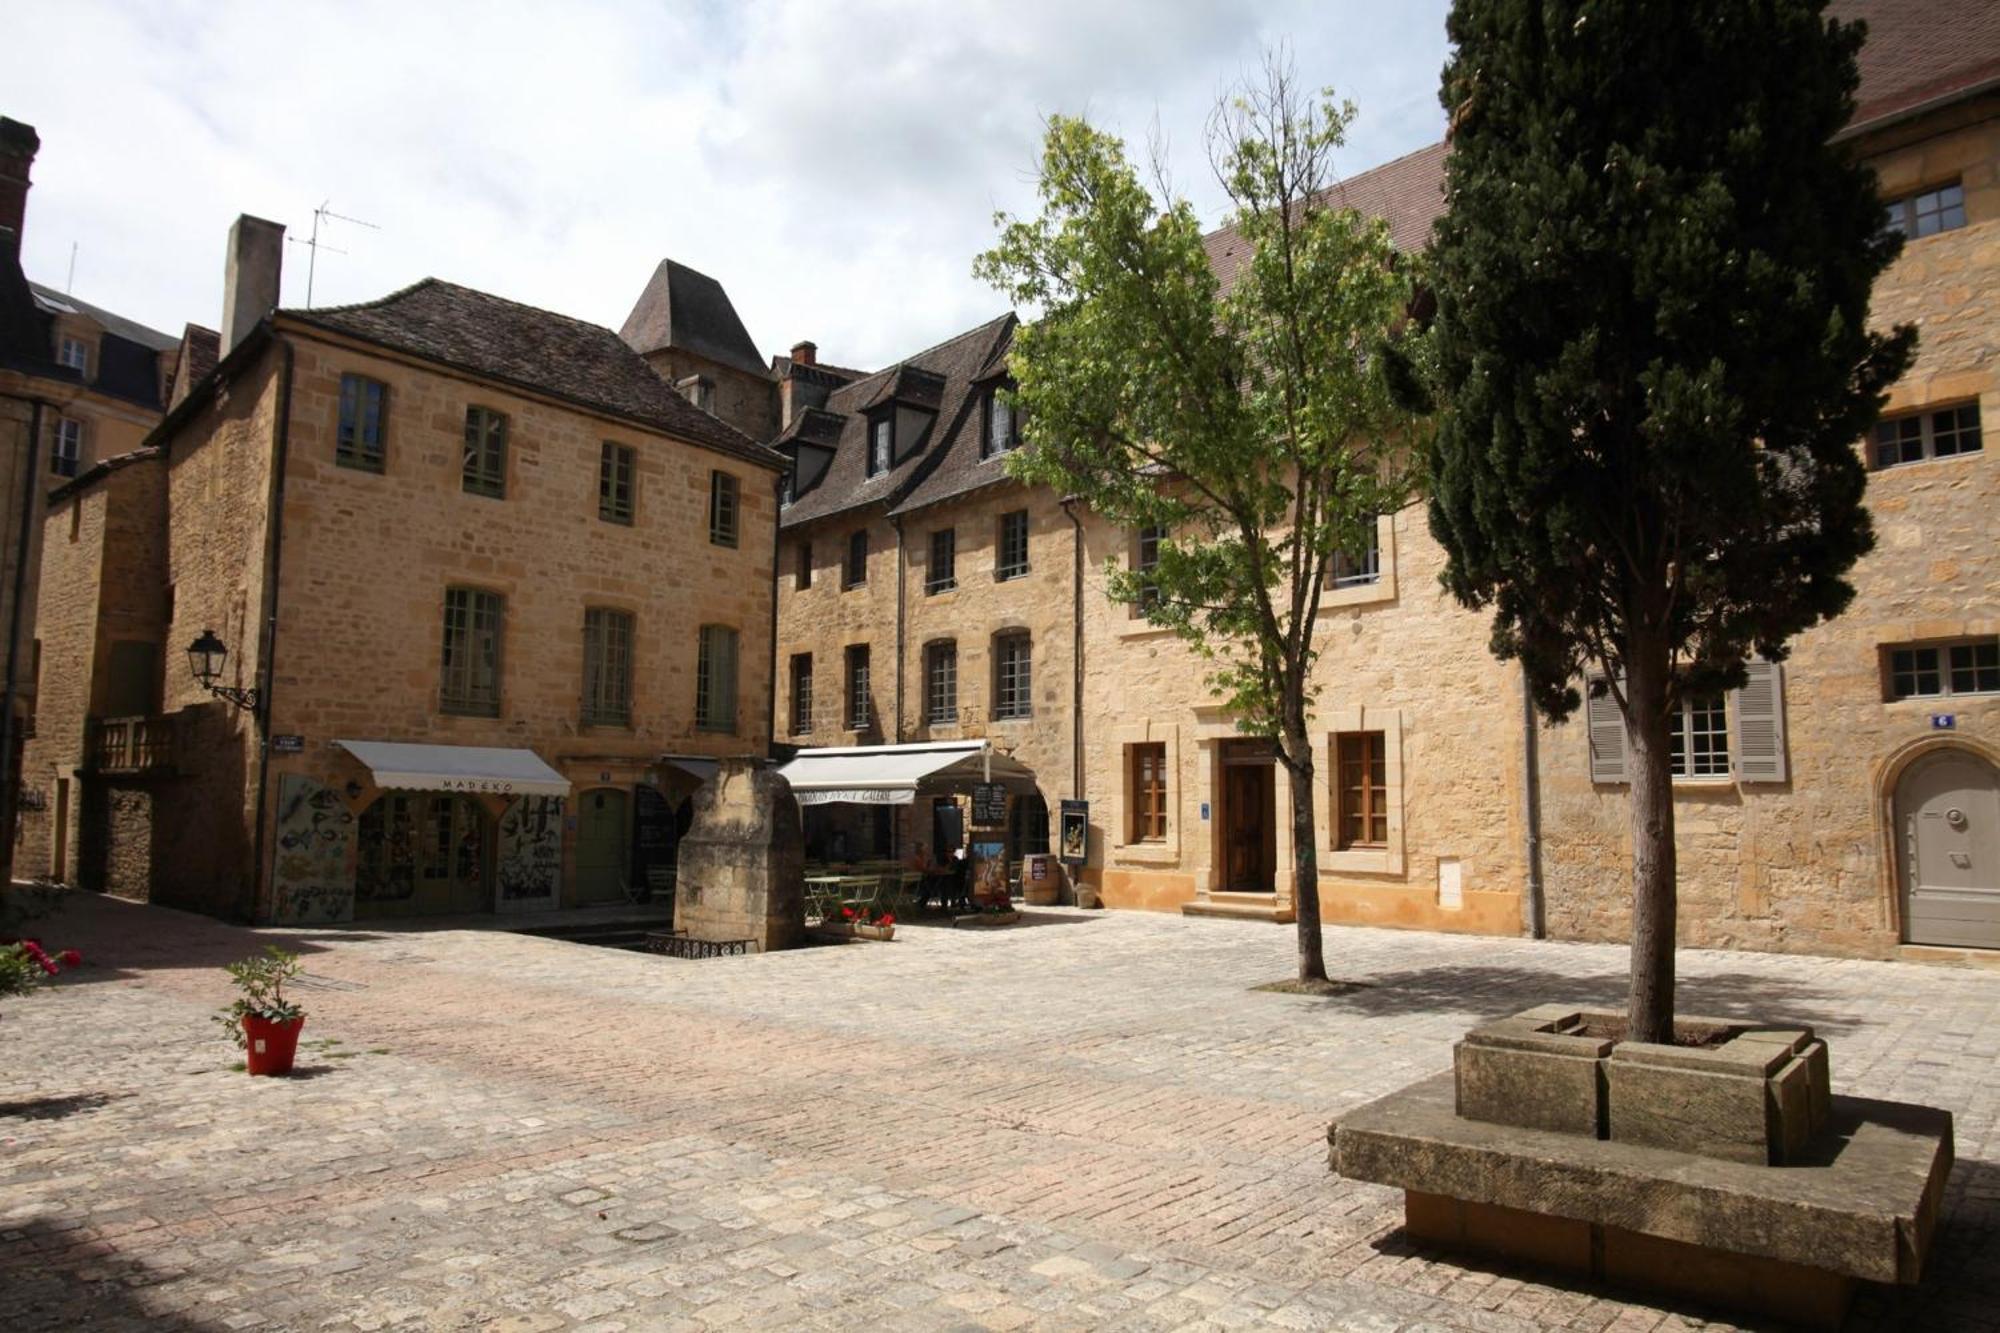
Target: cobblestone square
[1089, 1121]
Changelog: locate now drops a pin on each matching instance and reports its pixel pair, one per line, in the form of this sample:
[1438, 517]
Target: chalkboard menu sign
[989, 804]
[655, 841]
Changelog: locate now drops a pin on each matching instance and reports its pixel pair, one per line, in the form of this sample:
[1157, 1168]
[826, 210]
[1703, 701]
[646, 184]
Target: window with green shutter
[715, 680]
[358, 441]
[486, 452]
[722, 508]
[615, 467]
[607, 668]
[470, 678]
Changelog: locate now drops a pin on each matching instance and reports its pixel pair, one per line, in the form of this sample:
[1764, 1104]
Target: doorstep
[1242, 907]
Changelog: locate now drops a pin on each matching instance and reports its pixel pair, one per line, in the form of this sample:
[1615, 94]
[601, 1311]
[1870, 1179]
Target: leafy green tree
[1253, 425]
[1652, 349]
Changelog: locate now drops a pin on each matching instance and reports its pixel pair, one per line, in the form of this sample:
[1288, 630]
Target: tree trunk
[1297, 747]
[1649, 759]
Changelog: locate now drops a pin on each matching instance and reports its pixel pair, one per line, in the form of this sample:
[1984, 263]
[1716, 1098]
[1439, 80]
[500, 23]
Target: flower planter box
[987, 919]
[855, 930]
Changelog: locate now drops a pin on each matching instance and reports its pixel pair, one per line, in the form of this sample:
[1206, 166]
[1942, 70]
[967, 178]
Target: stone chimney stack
[18, 145]
[250, 277]
[805, 353]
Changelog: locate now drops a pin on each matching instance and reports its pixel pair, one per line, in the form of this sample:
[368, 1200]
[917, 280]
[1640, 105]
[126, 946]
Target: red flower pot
[269, 1047]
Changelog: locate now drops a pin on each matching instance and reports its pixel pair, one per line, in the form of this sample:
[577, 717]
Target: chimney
[250, 277]
[805, 353]
[18, 145]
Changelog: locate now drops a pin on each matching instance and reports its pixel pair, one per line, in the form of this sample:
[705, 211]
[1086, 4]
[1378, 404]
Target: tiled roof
[566, 358]
[203, 348]
[1921, 50]
[689, 310]
[101, 469]
[948, 371]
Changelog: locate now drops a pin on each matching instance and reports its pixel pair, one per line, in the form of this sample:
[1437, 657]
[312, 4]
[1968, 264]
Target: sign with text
[1944, 721]
[284, 743]
[1075, 840]
[989, 804]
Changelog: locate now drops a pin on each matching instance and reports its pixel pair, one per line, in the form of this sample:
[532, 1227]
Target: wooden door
[1248, 829]
[600, 846]
[1948, 818]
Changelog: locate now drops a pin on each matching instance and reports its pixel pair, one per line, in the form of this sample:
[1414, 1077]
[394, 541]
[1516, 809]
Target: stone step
[1245, 908]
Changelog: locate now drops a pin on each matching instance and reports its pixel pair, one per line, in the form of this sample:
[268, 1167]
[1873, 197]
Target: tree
[1652, 285]
[1253, 425]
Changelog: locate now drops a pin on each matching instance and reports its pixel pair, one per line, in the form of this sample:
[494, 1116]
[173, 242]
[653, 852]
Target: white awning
[891, 774]
[467, 768]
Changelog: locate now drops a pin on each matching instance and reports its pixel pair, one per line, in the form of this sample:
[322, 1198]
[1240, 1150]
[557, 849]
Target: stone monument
[742, 862]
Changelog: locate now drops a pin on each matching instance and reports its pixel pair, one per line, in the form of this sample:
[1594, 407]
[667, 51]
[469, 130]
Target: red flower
[886, 919]
[847, 914]
[34, 950]
[69, 958]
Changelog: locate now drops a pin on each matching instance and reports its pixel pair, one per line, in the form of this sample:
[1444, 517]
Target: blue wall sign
[1204, 812]
[1944, 721]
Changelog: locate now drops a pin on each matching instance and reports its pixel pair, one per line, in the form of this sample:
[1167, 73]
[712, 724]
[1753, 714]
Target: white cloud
[836, 165]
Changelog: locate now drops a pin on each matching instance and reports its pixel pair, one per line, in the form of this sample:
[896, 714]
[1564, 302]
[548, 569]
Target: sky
[835, 164]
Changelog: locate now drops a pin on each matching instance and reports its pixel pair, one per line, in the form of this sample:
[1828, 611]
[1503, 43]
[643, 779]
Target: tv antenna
[323, 214]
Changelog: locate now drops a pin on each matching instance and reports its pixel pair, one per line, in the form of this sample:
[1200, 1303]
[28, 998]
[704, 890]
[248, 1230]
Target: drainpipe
[777, 532]
[1076, 650]
[902, 597]
[275, 545]
[1534, 914]
[10, 779]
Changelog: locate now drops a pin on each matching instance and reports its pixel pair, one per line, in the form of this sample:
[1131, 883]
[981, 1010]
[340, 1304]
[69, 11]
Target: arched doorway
[423, 854]
[1948, 849]
[601, 845]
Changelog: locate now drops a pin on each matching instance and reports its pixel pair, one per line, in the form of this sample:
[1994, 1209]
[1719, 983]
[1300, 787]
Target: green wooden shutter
[1606, 726]
[1760, 724]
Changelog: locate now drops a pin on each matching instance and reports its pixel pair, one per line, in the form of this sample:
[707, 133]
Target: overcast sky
[834, 163]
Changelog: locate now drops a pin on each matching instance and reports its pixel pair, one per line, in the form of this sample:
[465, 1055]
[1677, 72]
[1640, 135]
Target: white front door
[1948, 820]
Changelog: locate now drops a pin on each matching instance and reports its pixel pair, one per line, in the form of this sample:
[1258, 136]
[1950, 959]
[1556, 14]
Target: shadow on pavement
[51, 1278]
[58, 1108]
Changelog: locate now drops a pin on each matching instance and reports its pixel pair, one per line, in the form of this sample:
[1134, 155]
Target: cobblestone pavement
[1087, 1121]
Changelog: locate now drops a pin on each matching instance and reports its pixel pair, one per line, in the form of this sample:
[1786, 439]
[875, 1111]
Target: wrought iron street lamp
[205, 658]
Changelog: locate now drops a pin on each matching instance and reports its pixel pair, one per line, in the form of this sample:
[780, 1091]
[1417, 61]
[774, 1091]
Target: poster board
[1073, 842]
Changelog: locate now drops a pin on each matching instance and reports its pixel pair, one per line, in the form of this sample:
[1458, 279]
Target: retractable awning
[891, 774]
[467, 768]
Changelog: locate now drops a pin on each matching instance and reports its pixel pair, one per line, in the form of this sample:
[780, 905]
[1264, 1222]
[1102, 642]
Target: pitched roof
[131, 330]
[1920, 50]
[689, 310]
[200, 349]
[585, 364]
[945, 375]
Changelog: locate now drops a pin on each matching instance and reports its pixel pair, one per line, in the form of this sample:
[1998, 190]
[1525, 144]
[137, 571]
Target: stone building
[473, 594]
[1846, 802]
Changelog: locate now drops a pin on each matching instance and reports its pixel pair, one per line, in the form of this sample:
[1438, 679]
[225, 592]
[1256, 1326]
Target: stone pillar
[742, 862]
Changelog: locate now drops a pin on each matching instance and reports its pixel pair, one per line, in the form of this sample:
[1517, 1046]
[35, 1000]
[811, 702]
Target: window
[1919, 435]
[75, 354]
[1145, 559]
[699, 390]
[607, 668]
[802, 693]
[1011, 561]
[1002, 427]
[804, 578]
[856, 573]
[941, 575]
[715, 679]
[66, 448]
[615, 466]
[860, 704]
[941, 683]
[722, 508]
[881, 443]
[1353, 569]
[471, 682]
[1149, 792]
[1926, 214]
[1968, 667]
[1699, 731]
[1361, 777]
[357, 442]
[1013, 676]
[485, 452]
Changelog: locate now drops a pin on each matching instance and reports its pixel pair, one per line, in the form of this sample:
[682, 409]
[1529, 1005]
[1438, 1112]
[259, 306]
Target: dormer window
[1002, 426]
[76, 355]
[881, 443]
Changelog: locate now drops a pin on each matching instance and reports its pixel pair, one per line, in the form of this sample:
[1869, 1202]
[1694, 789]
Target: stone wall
[1809, 865]
[367, 558]
[747, 402]
[827, 618]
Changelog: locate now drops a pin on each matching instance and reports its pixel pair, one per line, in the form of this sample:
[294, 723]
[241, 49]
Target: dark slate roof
[950, 370]
[815, 425]
[1919, 51]
[689, 310]
[533, 349]
[131, 330]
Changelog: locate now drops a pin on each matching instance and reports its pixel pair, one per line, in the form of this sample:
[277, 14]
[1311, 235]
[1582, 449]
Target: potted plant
[882, 927]
[260, 1020]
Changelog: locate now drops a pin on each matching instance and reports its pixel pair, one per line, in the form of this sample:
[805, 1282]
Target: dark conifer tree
[1652, 282]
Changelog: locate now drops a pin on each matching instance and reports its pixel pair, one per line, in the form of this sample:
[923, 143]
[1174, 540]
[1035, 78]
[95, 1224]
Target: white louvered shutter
[1760, 724]
[1607, 734]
